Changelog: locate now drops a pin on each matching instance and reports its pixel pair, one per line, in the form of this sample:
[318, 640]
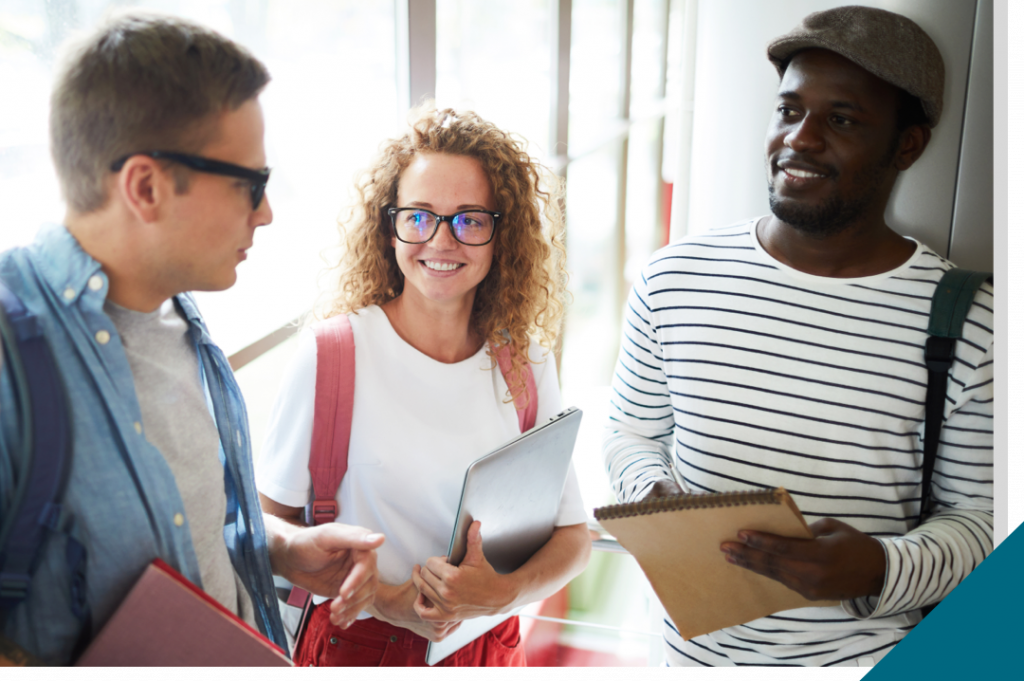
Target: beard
[838, 212]
[824, 220]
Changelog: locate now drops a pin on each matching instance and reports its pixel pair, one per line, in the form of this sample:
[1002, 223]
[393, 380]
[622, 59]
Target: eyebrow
[430, 206]
[836, 103]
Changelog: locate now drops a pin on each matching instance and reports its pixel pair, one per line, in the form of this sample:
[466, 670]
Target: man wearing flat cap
[787, 351]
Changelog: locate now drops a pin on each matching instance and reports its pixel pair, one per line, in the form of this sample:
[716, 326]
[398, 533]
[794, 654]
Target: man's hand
[838, 564]
[663, 488]
[333, 560]
[394, 604]
[473, 589]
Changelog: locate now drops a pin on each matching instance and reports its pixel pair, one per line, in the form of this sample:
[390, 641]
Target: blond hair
[522, 295]
[141, 82]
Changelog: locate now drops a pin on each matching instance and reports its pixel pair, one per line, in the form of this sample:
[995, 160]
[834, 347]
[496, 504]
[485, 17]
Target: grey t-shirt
[176, 420]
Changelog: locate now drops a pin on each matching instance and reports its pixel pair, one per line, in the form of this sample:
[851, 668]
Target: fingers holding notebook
[839, 563]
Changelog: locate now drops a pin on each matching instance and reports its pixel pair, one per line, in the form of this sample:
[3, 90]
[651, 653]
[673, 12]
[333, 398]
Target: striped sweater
[739, 372]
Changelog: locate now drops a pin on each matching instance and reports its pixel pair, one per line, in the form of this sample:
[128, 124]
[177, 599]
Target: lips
[803, 174]
[803, 169]
[442, 266]
[797, 173]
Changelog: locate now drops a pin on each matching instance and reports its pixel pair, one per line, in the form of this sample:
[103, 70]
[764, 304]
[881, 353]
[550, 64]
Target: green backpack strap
[950, 304]
[952, 300]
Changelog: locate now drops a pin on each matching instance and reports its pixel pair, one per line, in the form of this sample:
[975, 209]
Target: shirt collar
[63, 264]
[67, 268]
[188, 307]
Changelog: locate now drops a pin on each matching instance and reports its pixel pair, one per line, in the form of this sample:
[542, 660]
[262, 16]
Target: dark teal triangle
[975, 628]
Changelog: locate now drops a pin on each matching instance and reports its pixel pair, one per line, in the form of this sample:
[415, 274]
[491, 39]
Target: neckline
[376, 311]
[830, 281]
[114, 310]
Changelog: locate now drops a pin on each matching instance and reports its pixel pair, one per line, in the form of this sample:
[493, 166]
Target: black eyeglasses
[419, 225]
[258, 178]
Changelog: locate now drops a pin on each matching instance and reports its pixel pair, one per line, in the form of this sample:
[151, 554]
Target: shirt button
[179, 519]
[102, 336]
[69, 293]
[334, 640]
[393, 638]
[95, 282]
[138, 428]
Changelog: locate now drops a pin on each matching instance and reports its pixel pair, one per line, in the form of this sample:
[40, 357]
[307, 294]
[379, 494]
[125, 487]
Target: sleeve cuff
[869, 607]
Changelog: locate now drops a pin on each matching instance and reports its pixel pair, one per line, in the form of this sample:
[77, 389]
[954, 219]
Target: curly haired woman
[453, 252]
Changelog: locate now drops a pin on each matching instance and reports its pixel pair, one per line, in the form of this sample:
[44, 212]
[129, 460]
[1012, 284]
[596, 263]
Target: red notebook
[167, 621]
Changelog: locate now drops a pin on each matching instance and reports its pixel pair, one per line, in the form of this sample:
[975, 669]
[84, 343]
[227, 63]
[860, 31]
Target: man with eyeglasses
[157, 137]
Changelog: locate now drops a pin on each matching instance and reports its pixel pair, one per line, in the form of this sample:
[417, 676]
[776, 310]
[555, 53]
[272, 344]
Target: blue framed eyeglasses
[419, 225]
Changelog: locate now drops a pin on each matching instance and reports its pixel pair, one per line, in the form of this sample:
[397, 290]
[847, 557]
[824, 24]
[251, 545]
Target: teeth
[442, 266]
[801, 173]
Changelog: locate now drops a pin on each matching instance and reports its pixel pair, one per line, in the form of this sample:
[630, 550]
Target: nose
[264, 214]
[805, 135]
[443, 239]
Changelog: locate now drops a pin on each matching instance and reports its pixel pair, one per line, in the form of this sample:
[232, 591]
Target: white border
[1000, 240]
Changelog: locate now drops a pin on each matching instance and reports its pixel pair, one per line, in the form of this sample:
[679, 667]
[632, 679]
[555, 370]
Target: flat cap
[886, 44]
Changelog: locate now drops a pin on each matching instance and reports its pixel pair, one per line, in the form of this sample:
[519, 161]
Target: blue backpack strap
[46, 440]
[950, 304]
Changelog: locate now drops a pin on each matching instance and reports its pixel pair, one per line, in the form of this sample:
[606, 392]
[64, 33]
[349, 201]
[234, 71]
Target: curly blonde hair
[522, 295]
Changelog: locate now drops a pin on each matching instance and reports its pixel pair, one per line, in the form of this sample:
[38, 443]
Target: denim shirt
[121, 501]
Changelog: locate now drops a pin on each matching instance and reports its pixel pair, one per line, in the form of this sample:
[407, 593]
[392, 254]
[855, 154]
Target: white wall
[734, 93]
[971, 240]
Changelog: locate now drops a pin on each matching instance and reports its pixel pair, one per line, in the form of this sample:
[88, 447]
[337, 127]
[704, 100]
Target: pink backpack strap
[332, 415]
[525, 409]
[332, 428]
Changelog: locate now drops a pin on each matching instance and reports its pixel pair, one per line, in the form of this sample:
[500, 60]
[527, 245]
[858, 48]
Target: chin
[219, 284]
[817, 220]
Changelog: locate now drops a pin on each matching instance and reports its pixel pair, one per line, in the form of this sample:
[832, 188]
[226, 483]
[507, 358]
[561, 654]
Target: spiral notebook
[676, 541]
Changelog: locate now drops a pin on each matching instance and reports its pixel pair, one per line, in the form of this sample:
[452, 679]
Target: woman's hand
[394, 604]
[473, 589]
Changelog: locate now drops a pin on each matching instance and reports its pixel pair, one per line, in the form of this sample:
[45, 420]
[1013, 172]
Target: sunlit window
[331, 102]
[495, 58]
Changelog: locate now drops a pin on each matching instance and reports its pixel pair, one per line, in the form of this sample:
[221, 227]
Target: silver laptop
[515, 492]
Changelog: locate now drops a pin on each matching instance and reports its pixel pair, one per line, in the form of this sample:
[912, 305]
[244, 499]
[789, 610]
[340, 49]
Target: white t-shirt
[417, 424]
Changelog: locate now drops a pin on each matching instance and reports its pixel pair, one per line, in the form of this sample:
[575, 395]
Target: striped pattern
[739, 372]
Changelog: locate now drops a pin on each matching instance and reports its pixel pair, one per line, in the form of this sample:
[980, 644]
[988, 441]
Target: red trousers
[373, 643]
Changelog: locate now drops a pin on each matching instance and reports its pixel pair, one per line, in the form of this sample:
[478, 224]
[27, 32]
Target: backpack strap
[332, 428]
[526, 402]
[46, 449]
[332, 415]
[950, 304]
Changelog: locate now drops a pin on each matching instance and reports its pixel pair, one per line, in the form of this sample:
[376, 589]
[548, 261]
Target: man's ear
[144, 186]
[913, 141]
